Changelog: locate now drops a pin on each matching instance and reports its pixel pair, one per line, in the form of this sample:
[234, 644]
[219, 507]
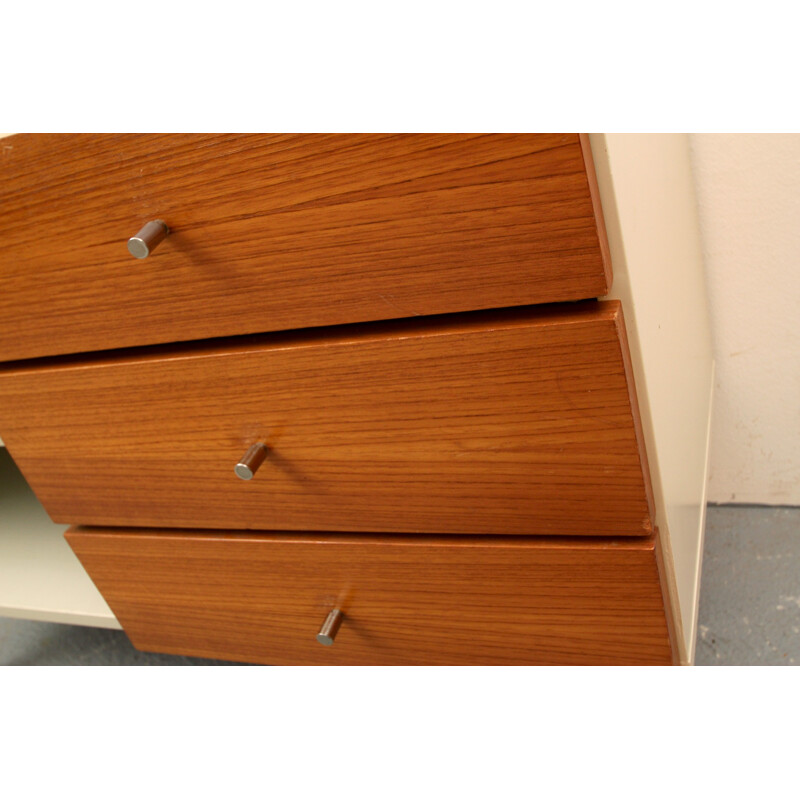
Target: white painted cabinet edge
[648, 195]
[40, 577]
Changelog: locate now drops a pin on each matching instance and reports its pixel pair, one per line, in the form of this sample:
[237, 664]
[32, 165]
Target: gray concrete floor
[749, 604]
[750, 589]
[25, 643]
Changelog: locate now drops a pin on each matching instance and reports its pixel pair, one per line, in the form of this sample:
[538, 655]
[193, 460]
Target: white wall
[748, 193]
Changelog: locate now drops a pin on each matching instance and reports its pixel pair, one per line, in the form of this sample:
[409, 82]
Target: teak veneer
[518, 422]
[406, 599]
[283, 231]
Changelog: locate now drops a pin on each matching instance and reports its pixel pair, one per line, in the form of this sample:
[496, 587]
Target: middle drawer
[521, 422]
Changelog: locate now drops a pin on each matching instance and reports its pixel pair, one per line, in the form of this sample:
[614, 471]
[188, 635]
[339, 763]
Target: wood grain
[515, 422]
[594, 193]
[669, 595]
[281, 231]
[407, 600]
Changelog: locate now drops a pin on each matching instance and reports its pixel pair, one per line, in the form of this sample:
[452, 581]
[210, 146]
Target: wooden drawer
[282, 231]
[406, 600]
[520, 422]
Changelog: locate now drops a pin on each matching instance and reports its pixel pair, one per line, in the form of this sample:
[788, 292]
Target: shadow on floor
[25, 643]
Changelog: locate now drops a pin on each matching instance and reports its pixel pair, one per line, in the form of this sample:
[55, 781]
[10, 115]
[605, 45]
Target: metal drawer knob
[250, 462]
[148, 238]
[327, 633]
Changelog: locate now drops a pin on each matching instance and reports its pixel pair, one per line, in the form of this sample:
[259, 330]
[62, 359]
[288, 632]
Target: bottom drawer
[405, 600]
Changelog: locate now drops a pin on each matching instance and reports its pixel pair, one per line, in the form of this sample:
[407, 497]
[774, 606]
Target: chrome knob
[327, 633]
[148, 238]
[250, 462]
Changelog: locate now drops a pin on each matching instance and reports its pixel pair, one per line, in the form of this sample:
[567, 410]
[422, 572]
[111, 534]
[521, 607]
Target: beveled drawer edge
[671, 611]
[597, 207]
[638, 429]
[456, 323]
[643, 543]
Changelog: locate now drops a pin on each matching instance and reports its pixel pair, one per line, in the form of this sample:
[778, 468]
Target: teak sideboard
[364, 398]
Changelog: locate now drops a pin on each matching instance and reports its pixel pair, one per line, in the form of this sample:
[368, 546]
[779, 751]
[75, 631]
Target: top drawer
[281, 231]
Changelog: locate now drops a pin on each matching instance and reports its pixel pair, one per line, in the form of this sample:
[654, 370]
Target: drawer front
[406, 600]
[283, 231]
[519, 422]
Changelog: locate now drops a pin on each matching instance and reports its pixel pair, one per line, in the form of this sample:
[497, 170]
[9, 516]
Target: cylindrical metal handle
[148, 238]
[251, 461]
[327, 633]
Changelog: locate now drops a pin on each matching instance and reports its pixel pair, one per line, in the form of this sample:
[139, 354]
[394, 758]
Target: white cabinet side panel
[40, 577]
[647, 190]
